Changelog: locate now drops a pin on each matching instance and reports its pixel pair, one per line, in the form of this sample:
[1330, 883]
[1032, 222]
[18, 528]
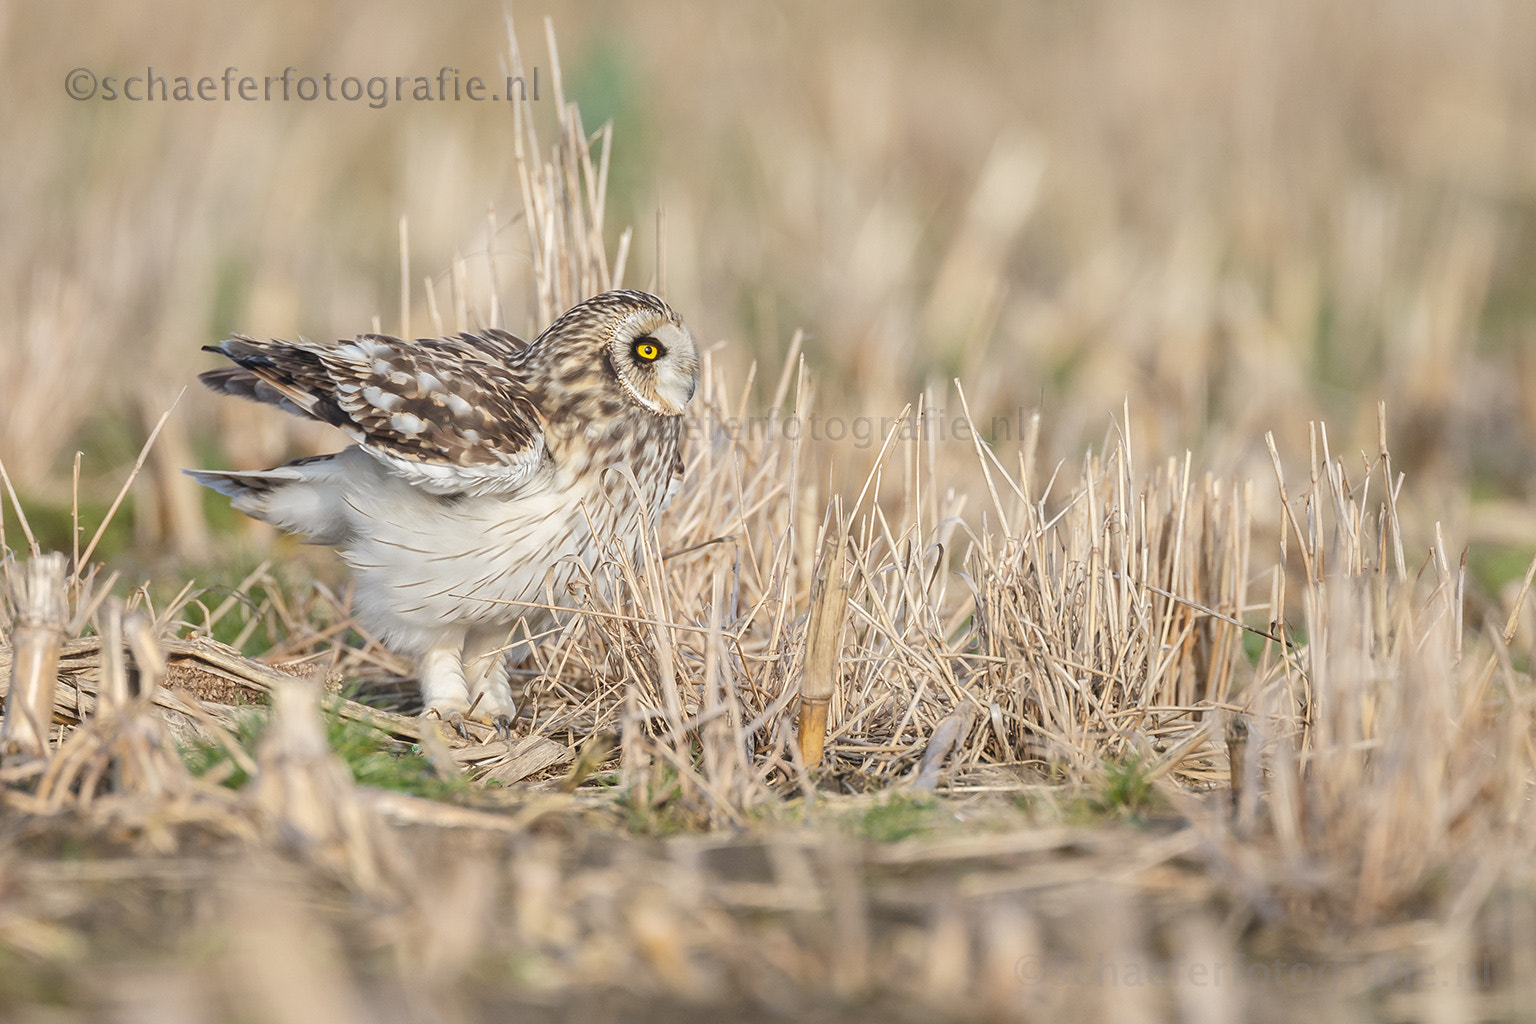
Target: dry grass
[1096, 731]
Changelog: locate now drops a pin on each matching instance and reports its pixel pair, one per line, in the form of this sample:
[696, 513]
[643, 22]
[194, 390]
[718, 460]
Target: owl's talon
[452, 719]
[503, 724]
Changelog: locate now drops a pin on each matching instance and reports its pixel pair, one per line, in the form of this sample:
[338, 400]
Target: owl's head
[652, 352]
[638, 340]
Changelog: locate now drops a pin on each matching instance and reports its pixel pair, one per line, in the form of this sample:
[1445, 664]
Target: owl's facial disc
[656, 362]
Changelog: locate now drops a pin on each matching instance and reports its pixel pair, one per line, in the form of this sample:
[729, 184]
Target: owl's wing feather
[448, 415]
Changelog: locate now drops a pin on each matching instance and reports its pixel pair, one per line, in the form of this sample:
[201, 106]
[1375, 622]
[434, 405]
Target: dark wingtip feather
[290, 364]
[230, 380]
[242, 383]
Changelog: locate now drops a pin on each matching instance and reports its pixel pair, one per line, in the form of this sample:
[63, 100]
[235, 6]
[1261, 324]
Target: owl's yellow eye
[647, 349]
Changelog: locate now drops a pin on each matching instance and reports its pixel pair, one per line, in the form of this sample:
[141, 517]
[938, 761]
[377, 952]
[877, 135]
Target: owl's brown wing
[449, 415]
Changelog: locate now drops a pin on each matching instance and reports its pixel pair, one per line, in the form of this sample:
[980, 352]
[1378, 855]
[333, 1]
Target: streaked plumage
[483, 466]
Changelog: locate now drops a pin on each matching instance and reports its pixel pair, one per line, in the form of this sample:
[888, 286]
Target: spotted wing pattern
[451, 415]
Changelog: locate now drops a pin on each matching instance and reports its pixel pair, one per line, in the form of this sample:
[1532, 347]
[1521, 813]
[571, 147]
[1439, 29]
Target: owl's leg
[444, 690]
[485, 666]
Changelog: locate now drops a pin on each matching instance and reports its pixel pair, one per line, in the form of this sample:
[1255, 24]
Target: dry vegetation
[1161, 702]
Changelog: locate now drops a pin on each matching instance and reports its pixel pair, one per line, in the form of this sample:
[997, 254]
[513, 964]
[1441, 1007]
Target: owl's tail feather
[300, 497]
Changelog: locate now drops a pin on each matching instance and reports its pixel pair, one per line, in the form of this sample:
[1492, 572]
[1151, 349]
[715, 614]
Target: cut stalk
[823, 642]
[36, 641]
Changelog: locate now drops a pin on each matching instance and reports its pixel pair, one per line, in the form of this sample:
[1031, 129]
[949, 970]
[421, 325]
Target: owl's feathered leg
[444, 690]
[485, 666]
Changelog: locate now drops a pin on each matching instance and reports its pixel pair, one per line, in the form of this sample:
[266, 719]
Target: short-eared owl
[483, 468]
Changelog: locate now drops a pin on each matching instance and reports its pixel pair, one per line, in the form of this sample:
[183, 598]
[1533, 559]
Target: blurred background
[1237, 218]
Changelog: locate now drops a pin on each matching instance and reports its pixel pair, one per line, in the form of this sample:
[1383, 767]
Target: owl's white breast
[423, 562]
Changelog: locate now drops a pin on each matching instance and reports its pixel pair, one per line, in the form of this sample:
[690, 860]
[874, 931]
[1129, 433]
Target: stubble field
[1117, 418]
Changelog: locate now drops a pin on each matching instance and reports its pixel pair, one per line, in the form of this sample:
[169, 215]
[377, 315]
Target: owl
[486, 473]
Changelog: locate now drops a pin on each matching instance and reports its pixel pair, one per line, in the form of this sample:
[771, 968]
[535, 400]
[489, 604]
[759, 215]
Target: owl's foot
[496, 711]
[469, 721]
[464, 683]
[485, 669]
[453, 717]
[444, 690]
